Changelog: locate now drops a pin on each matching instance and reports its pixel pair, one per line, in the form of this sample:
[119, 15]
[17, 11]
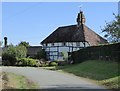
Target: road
[47, 79]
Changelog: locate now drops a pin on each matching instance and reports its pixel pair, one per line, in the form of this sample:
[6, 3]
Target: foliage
[26, 62]
[53, 63]
[12, 53]
[65, 56]
[21, 51]
[41, 54]
[24, 43]
[9, 55]
[112, 30]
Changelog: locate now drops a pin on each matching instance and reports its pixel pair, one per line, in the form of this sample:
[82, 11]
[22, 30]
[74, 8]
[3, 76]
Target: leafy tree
[112, 30]
[21, 51]
[9, 55]
[24, 43]
[12, 53]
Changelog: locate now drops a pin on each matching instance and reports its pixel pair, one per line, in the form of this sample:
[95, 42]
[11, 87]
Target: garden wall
[102, 52]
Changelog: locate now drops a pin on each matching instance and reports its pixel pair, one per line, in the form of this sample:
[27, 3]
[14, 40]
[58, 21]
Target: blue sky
[32, 22]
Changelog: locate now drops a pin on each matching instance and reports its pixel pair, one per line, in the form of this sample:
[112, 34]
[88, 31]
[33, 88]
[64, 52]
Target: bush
[12, 53]
[9, 56]
[53, 63]
[26, 62]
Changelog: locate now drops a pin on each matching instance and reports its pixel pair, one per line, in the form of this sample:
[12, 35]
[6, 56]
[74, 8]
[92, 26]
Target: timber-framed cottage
[70, 38]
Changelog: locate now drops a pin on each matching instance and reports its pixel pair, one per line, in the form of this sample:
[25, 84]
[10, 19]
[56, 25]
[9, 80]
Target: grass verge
[103, 72]
[14, 81]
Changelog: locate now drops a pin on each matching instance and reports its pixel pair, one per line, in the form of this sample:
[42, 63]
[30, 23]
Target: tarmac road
[54, 81]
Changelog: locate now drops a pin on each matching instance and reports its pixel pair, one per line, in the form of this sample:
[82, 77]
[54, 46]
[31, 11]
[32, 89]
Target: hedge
[102, 52]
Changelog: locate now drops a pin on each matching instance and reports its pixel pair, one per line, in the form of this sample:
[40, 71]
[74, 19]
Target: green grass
[103, 72]
[113, 83]
[97, 70]
[13, 81]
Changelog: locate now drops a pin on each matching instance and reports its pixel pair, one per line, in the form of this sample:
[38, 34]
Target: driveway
[47, 79]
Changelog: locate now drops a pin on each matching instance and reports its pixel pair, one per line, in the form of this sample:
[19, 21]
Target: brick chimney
[80, 18]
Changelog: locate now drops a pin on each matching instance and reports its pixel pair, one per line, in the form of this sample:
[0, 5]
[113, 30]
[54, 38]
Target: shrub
[53, 63]
[9, 55]
[27, 62]
[12, 53]
[21, 51]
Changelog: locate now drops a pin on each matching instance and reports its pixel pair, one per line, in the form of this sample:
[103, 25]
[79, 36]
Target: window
[64, 44]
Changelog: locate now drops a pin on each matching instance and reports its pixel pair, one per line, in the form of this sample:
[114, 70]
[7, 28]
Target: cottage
[70, 38]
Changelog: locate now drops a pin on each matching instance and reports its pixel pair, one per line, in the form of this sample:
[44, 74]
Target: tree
[12, 53]
[9, 55]
[112, 30]
[24, 43]
[21, 51]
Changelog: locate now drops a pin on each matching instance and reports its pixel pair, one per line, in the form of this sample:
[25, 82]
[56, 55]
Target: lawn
[104, 72]
[97, 70]
[13, 81]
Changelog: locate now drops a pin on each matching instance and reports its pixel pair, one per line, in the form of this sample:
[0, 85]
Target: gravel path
[47, 79]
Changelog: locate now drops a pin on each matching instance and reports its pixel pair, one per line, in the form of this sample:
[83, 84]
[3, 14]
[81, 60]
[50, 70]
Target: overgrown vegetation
[16, 56]
[26, 62]
[12, 53]
[13, 81]
[53, 64]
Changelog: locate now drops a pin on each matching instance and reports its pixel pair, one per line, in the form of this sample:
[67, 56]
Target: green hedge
[26, 62]
[102, 52]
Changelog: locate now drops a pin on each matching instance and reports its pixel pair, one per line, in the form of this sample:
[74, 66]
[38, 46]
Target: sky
[34, 21]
